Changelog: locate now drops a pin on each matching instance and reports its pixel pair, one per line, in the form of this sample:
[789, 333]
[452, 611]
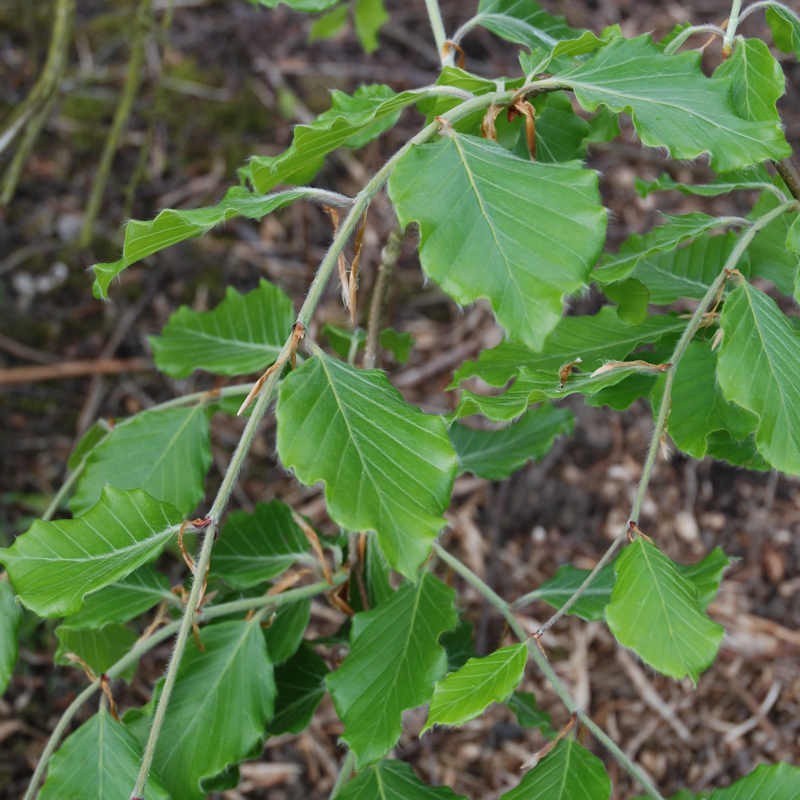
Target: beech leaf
[393, 780]
[521, 233]
[655, 610]
[54, 565]
[10, 617]
[387, 466]
[569, 772]
[757, 369]
[99, 761]
[464, 694]
[166, 453]
[673, 104]
[244, 333]
[394, 660]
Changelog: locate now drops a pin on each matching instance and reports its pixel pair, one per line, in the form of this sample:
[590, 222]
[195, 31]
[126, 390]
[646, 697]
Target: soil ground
[233, 79]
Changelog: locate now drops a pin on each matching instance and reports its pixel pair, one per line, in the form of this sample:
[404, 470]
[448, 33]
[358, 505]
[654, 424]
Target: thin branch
[437, 26]
[547, 670]
[766, 4]
[730, 28]
[62, 370]
[389, 256]
[687, 33]
[692, 327]
[133, 79]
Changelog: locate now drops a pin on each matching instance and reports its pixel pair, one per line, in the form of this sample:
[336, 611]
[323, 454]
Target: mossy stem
[133, 79]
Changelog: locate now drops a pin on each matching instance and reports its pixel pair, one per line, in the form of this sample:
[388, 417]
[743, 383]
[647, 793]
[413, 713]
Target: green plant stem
[47, 83]
[733, 24]
[437, 26]
[687, 33]
[133, 80]
[543, 663]
[264, 603]
[313, 297]
[766, 4]
[689, 332]
[345, 772]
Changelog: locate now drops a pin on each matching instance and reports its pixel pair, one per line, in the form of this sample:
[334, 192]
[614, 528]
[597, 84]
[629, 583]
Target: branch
[547, 670]
[437, 26]
[695, 322]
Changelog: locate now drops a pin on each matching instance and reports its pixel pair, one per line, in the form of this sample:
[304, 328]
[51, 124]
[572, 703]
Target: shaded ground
[227, 70]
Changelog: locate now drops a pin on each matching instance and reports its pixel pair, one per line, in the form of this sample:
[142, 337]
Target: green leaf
[93, 436]
[392, 780]
[97, 647]
[342, 339]
[398, 343]
[123, 600]
[370, 694]
[459, 645]
[258, 546]
[631, 297]
[767, 782]
[594, 339]
[464, 694]
[686, 271]
[244, 333]
[757, 369]
[655, 610]
[769, 256]
[54, 565]
[143, 238]
[569, 772]
[328, 25]
[521, 233]
[673, 104]
[698, 407]
[706, 575]
[496, 454]
[10, 616]
[201, 735]
[351, 121]
[301, 687]
[785, 26]
[285, 633]
[535, 386]
[387, 466]
[756, 80]
[370, 15]
[523, 22]
[664, 238]
[166, 453]
[591, 604]
[99, 761]
[376, 574]
[529, 715]
[751, 178]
